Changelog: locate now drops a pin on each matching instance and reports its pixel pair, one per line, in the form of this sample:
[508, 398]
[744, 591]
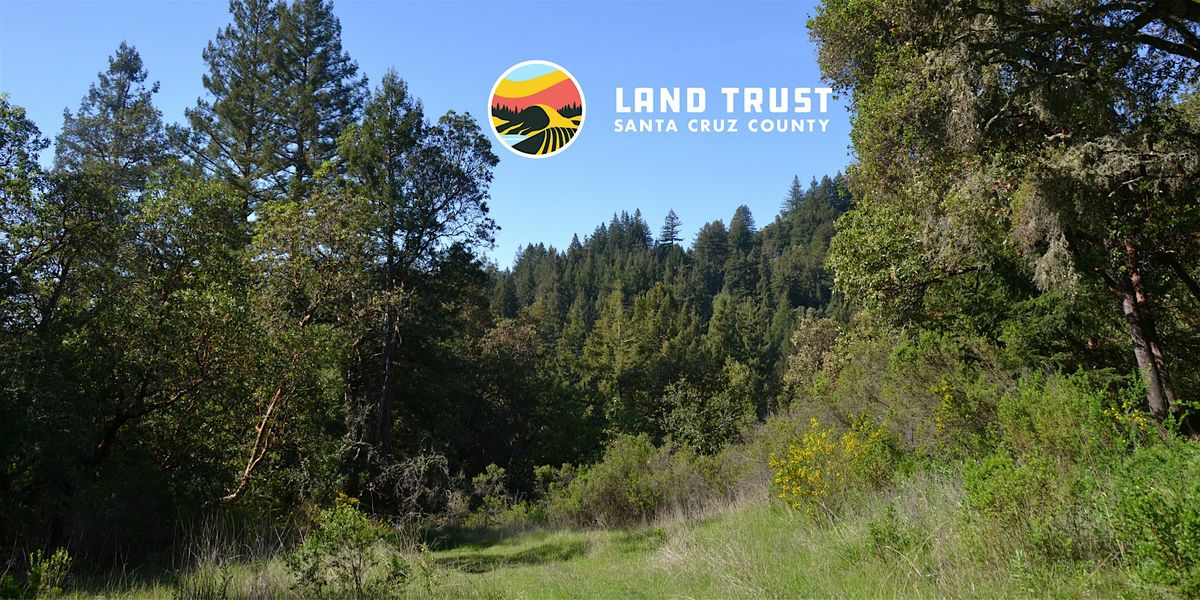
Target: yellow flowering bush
[816, 471]
[961, 418]
[1127, 412]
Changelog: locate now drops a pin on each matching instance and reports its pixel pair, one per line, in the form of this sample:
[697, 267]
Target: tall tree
[117, 132]
[22, 182]
[795, 197]
[232, 133]
[741, 230]
[383, 155]
[670, 229]
[741, 269]
[709, 253]
[316, 92]
[1067, 131]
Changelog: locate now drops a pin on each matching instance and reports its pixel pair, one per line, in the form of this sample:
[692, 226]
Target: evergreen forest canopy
[282, 301]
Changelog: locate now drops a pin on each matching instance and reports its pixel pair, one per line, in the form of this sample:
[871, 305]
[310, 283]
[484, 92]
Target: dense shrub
[936, 391]
[45, 579]
[623, 487]
[1072, 419]
[962, 417]
[636, 481]
[824, 465]
[346, 555]
[1058, 442]
[706, 423]
[1159, 514]
[1030, 499]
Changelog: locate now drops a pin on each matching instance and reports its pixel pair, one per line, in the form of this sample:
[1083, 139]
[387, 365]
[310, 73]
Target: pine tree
[316, 92]
[670, 229]
[637, 231]
[231, 134]
[117, 132]
[709, 255]
[794, 199]
[741, 230]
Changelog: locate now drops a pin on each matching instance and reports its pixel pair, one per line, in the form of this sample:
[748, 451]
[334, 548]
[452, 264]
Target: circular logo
[536, 109]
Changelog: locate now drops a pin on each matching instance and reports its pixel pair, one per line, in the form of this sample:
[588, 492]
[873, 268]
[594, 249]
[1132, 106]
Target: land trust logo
[537, 108]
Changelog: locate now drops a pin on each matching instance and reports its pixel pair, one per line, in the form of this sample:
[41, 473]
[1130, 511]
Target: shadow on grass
[638, 541]
[93, 583]
[453, 537]
[548, 552]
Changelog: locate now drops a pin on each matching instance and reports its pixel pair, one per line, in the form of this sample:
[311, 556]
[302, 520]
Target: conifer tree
[741, 230]
[795, 198]
[741, 268]
[231, 133]
[670, 229]
[117, 132]
[316, 92]
[709, 254]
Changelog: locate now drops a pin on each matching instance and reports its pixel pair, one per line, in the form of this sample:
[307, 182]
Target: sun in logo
[536, 108]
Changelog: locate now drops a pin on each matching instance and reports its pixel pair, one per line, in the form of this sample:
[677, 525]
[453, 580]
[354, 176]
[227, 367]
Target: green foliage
[496, 506]
[561, 502]
[20, 143]
[345, 555]
[117, 133]
[623, 487]
[941, 389]
[890, 535]
[47, 573]
[302, 312]
[962, 418]
[812, 341]
[1058, 442]
[680, 344]
[707, 424]
[1025, 495]
[1158, 508]
[636, 481]
[230, 133]
[314, 92]
[996, 163]
[1073, 419]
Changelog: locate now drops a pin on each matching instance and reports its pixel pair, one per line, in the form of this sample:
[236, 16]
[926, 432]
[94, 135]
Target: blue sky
[452, 52]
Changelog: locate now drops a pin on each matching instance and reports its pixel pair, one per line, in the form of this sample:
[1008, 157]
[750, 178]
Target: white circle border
[582, 101]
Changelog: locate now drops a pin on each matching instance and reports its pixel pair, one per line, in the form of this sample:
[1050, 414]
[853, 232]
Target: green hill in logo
[548, 129]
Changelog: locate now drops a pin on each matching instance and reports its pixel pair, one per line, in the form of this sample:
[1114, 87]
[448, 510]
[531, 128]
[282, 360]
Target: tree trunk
[383, 426]
[1147, 349]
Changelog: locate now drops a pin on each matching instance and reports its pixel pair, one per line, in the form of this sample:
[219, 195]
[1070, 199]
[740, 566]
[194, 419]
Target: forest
[262, 353]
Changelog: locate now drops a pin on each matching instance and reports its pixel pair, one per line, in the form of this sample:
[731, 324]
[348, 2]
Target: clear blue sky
[452, 52]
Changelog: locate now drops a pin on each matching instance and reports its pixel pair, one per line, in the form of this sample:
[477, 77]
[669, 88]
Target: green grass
[910, 541]
[763, 549]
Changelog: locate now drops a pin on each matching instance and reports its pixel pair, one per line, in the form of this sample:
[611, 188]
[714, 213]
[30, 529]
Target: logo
[537, 109]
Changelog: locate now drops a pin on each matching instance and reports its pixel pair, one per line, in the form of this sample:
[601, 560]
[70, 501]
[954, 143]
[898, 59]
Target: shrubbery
[1057, 444]
[46, 576]
[346, 555]
[1159, 514]
[1062, 467]
[825, 465]
[637, 481]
